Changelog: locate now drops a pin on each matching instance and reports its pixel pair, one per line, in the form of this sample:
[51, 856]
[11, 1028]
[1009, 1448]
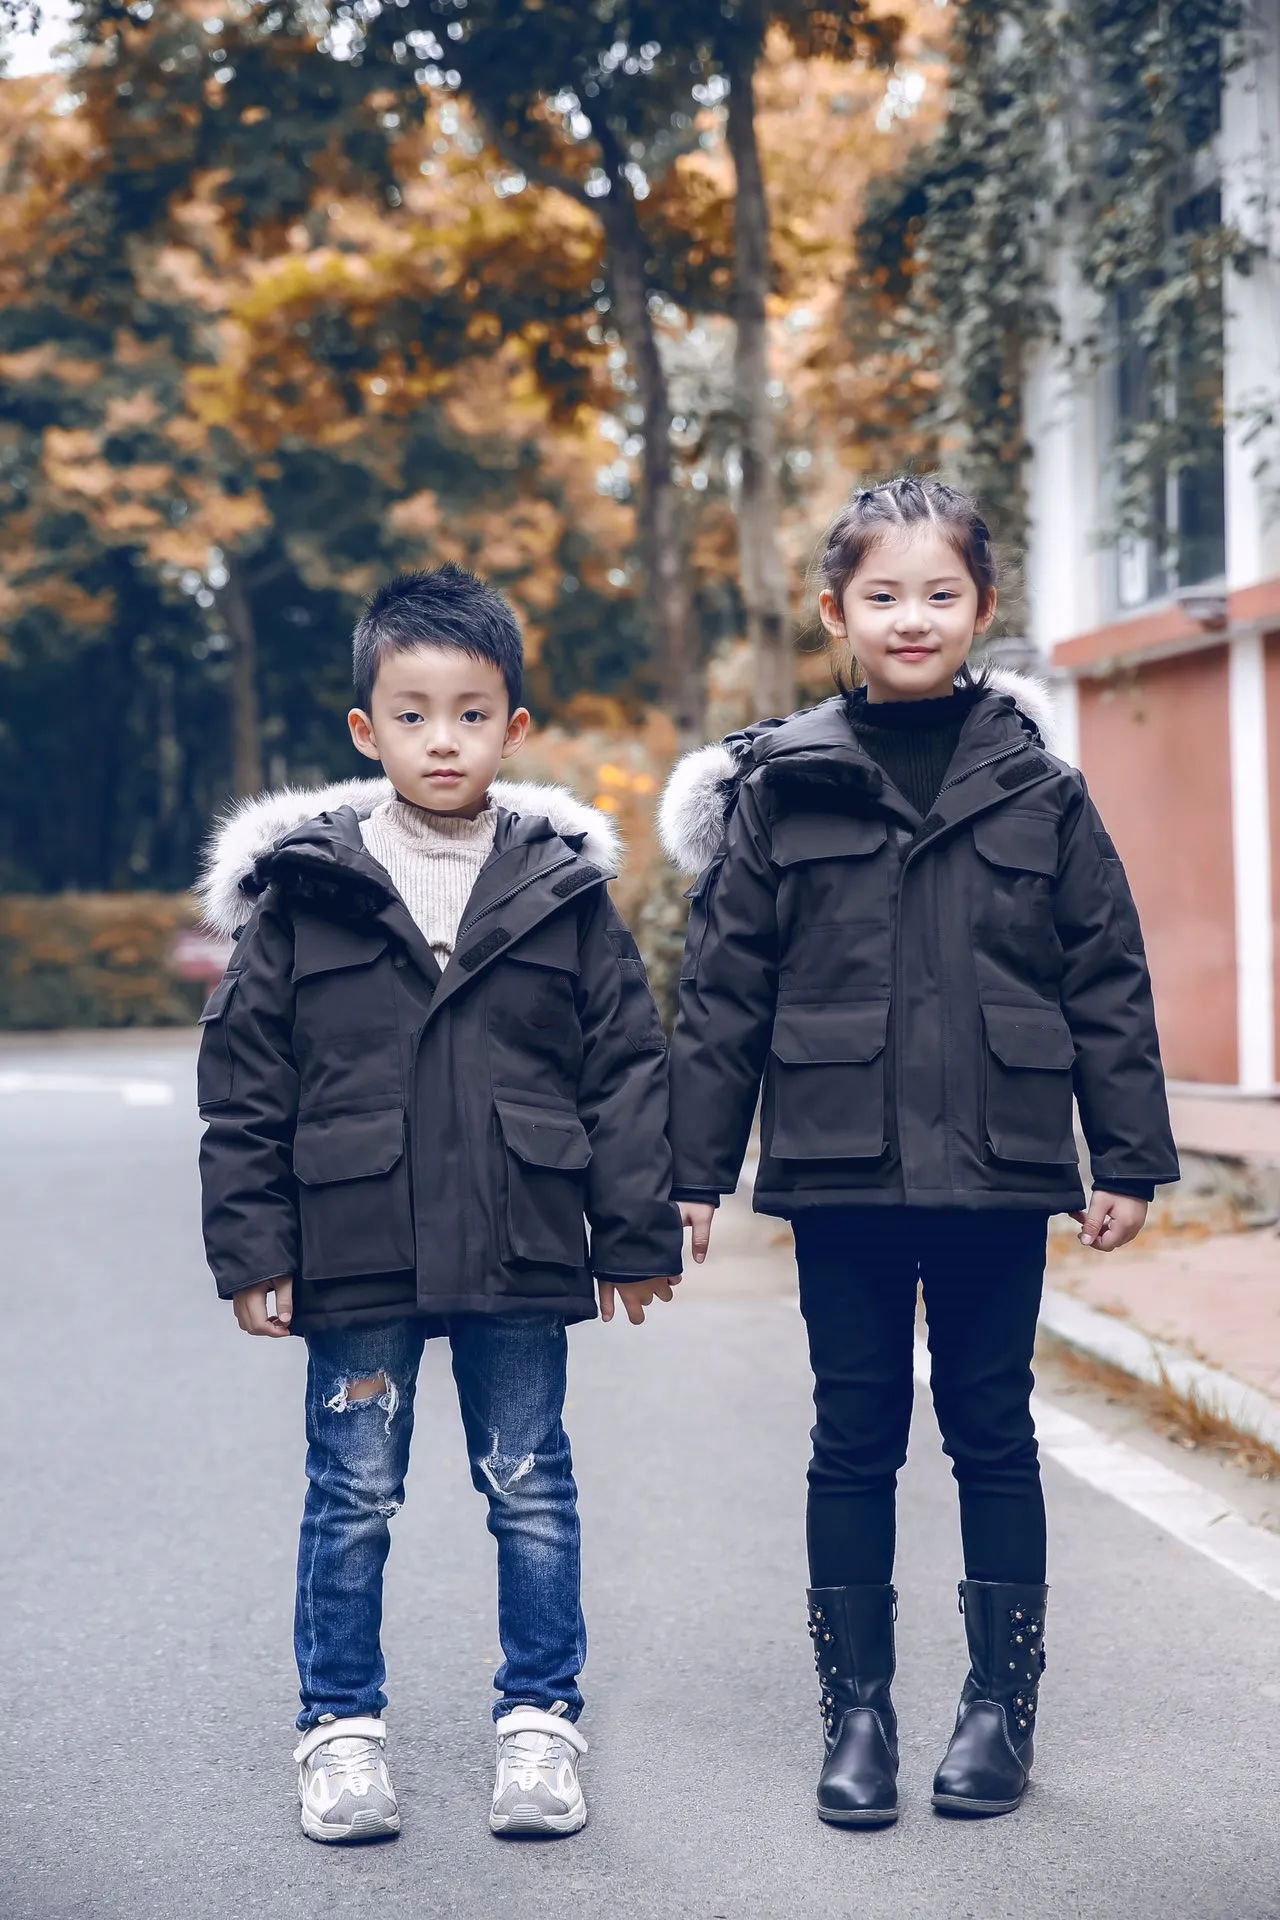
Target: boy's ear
[517, 731]
[362, 739]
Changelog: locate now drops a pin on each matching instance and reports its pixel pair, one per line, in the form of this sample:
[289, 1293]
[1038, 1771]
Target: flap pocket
[220, 999]
[544, 1136]
[830, 1035]
[1027, 841]
[348, 1146]
[825, 836]
[1029, 1037]
[320, 946]
[552, 944]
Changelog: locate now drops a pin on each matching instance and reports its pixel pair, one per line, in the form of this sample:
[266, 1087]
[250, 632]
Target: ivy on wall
[1087, 127]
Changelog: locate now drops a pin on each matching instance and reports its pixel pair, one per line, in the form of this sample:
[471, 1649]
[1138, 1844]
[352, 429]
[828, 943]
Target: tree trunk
[246, 730]
[763, 574]
[680, 678]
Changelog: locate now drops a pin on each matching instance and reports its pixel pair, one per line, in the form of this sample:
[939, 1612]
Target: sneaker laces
[527, 1753]
[352, 1762]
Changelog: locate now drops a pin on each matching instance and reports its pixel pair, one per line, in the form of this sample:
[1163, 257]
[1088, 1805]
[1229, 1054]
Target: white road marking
[1190, 1513]
[134, 1093]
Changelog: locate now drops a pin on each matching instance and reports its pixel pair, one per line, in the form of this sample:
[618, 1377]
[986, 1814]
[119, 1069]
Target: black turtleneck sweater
[914, 741]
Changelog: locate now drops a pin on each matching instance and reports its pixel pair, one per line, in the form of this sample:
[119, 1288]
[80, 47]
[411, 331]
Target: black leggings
[982, 1274]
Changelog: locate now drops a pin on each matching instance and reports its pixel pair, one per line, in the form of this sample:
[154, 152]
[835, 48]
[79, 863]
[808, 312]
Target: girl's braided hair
[872, 512]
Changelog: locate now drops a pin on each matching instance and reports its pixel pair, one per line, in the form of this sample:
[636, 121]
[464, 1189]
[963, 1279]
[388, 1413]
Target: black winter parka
[401, 1140]
[921, 998]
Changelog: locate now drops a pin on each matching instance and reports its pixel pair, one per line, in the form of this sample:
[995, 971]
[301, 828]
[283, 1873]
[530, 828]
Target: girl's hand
[635, 1295]
[698, 1214]
[1112, 1220]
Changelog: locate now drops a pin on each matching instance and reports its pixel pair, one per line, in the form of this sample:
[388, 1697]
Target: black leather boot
[985, 1768]
[852, 1633]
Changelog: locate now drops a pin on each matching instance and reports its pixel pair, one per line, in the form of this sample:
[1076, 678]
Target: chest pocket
[345, 1025]
[834, 872]
[801, 837]
[535, 1039]
[1019, 842]
[1013, 900]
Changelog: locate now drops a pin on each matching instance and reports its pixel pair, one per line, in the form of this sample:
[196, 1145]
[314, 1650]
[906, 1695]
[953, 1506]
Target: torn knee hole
[378, 1389]
[505, 1475]
[367, 1389]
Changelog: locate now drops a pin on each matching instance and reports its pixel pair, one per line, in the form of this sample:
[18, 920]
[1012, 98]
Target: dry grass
[1182, 1417]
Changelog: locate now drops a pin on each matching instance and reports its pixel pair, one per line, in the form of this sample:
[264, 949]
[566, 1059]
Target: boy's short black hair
[438, 607]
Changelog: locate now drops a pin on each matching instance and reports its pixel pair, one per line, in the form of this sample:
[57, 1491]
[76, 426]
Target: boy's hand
[635, 1295]
[698, 1214]
[1112, 1220]
[251, 1308]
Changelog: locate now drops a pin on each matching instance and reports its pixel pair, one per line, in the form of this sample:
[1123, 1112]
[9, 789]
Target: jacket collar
[530, 873]
[233, 869]
[818, 750]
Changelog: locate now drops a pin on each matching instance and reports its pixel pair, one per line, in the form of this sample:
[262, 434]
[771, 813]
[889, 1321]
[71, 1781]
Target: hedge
[94, 960]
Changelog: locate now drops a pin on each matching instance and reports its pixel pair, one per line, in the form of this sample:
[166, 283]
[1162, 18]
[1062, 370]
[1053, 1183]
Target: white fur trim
[253, 827]
[1031, 697]
[691, 811]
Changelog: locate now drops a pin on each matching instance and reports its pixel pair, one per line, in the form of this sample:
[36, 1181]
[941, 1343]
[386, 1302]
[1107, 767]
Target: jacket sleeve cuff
[696, 1196]
[635, 1279]
[1128, 1189]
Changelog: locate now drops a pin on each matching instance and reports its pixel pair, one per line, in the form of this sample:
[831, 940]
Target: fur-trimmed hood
[254, 827]
[696, 799]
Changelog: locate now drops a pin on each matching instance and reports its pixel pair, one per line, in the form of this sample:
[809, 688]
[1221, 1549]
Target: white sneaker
[343, 1784]
[537, 1789]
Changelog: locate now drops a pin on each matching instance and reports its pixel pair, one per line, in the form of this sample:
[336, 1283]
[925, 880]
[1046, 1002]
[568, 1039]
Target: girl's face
[909, 615]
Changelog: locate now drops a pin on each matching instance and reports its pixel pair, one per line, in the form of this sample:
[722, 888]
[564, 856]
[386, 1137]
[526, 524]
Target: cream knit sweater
[433, 860]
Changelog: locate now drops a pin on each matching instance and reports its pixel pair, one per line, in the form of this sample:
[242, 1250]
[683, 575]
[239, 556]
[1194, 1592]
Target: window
[1177, 415]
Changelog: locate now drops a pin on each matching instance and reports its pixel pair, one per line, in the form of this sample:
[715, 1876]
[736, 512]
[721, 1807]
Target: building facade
[1167, 662]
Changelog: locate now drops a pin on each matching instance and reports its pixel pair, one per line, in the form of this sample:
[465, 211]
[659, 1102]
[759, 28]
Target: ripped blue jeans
[510, 1374]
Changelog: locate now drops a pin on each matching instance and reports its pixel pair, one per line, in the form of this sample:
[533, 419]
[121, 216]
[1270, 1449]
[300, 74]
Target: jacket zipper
[992, 761]
[530, 880]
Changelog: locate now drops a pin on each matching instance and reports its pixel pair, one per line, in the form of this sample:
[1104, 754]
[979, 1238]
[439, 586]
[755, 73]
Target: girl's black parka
[402, 1140]
[921, 997]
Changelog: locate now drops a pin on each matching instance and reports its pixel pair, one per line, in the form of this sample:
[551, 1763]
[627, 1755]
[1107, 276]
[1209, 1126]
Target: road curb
[1157, 1363]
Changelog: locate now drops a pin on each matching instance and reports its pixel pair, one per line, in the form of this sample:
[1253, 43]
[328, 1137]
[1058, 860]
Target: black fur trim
[320, 884]
[575, 881]
[483, 949]
[1027, 769]
[822, 783]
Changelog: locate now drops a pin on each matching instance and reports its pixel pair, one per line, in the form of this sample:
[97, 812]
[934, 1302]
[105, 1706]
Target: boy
[434, 1049]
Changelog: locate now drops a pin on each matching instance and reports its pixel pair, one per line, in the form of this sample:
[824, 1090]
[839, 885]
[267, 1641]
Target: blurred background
[613, 302]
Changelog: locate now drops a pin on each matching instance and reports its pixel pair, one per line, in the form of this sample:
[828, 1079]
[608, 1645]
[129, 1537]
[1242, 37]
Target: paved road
[146, 1549]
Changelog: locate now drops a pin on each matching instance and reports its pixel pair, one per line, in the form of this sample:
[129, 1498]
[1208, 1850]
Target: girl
[910, 921]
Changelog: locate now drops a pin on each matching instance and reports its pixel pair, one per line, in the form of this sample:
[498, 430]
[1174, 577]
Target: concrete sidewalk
[1203, 1281]
[1236, 1129]
[1217, 1298]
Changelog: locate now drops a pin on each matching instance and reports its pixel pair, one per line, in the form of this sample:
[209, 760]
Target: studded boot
[985, 1768]
[852, 1633]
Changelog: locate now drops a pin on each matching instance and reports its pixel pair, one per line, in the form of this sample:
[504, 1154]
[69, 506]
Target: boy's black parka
[921, 998]
[400, 1140]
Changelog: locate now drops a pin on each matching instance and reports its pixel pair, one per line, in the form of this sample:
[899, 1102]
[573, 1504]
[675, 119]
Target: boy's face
[441, 728]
